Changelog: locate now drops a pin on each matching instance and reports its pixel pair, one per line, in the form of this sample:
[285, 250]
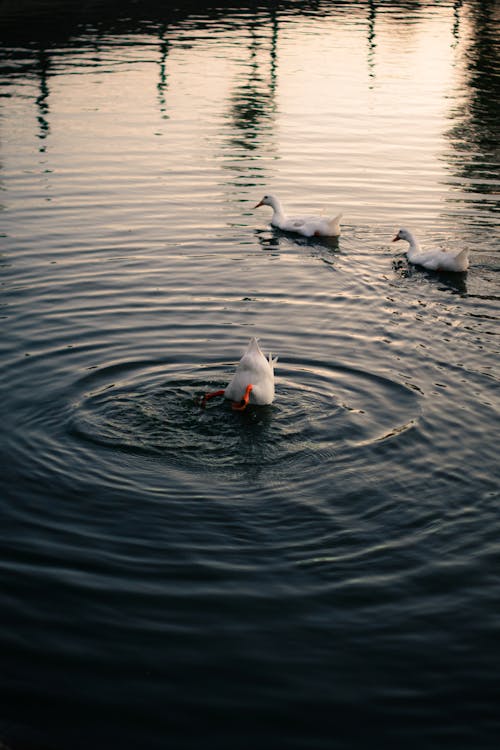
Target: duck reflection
[276, 242]
[456, 283]
[268, 239]
[453, 282]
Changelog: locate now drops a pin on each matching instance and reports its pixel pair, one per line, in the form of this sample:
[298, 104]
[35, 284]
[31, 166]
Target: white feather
[434, 260]
[253, 368]
[308, 226]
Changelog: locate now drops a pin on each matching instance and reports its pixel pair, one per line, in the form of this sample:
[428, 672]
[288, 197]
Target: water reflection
[40, 52]
[449, 282]
[474, 134]
[457, 6]
[483, 69]
[42, 99]
[117, 289]
[275, 242]
[163, 76]
[372, 15]
[454, 282]
[253, 99]
[252, 105]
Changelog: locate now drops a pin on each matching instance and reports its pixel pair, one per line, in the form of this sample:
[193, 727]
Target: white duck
[308, 226]
[434, 260]
[253, 381]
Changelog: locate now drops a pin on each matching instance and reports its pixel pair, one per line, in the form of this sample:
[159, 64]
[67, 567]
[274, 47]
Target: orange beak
[258, 204]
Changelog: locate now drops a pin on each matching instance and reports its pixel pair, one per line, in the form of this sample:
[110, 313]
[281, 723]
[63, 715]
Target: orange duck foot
[208, 396]
[240, 405]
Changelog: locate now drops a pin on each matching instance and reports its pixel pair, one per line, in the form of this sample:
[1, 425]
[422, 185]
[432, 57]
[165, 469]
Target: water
[320, 573]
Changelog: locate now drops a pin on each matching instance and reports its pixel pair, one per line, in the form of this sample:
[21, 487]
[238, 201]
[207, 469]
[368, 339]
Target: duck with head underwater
[253, 380]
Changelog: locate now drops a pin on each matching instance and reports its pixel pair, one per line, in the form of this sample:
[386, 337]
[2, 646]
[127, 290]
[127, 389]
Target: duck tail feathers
[253, 344]
[462, 259]
[335, 222]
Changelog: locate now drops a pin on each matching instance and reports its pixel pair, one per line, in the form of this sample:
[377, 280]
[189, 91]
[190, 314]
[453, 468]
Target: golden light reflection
[357, 98]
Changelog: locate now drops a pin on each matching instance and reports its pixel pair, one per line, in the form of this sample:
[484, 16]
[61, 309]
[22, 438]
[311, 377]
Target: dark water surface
[320, 573]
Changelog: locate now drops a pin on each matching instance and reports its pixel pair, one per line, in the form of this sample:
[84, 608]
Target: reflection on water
[254, 98]
[372, 15]
[163, 79]
[170, 574]
[42, 99]
[474, 134]
[252, 101]
[457, 7]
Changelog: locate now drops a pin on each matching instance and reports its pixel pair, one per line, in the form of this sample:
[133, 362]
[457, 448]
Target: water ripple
[320, 414]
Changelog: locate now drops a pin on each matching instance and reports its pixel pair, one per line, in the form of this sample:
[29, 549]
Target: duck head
[403, 234]
[268, 200]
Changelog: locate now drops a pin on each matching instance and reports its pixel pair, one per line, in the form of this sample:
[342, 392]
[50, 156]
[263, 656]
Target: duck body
[255, 370]
[433, 260]
[307, 226]
[252, 382]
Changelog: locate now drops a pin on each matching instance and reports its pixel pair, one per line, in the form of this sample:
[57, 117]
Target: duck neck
[278, 215]
[414, 248]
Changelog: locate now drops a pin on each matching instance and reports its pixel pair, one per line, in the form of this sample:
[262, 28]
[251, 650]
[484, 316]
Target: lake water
[320, 573]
